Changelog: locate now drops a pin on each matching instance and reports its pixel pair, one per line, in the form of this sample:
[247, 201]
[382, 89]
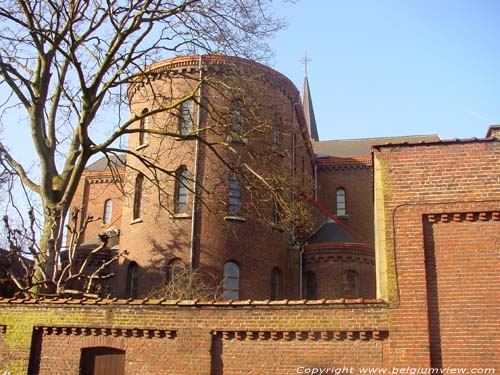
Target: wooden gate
[102, 361]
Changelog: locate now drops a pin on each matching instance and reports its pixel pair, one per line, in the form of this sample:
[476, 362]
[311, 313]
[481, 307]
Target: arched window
[341, 202]
[143, 125]
[237, 114]
[173, 267]
[234, 196]
[181, 191]
[186, 125]
[139, 180]
[350, 281]
[108, 211]
[102, 360]
[276, 212]
[310, 285]
[231, 281]
[277, 131]
[276, 284]
[132, 271]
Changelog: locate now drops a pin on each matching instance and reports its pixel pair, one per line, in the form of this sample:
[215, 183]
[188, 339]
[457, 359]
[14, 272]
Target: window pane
[108, 211]
[341, 210]
[277, 131]
[144, 124]
[182, 191]
[234, 196]
[138, 195]
[186, 117]
[237, 113]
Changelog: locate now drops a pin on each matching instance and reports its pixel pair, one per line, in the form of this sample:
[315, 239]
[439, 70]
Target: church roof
[331, 232]
[104, 163]
[309, 111]
[348, 148]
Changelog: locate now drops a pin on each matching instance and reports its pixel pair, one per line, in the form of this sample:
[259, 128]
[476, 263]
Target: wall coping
[341, 303]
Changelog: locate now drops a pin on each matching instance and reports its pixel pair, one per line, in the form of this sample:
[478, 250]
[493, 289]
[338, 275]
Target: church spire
[308, 106]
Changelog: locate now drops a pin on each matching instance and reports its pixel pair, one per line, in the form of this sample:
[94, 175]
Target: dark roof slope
[104, 163]
[332, 232]
[346, 148]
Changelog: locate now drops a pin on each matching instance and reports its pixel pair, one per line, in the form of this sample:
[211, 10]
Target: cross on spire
[304, 61]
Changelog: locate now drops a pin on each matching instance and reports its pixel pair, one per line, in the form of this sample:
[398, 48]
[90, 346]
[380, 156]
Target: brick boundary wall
[190, 337]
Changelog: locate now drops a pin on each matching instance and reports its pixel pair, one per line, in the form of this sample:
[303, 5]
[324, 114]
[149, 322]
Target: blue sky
[382, 68]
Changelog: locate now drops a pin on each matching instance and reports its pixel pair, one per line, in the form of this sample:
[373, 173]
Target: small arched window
[231, 281]
[139, 181]
[174, 266]
[341, 211]
[276, 284]
[350, 282]
[186, 125]
[181, 190]
[310, 285]
[108, 211]
[143, 126]
[132, 271]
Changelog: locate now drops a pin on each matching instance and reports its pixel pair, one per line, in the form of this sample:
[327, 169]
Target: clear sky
[399, 67]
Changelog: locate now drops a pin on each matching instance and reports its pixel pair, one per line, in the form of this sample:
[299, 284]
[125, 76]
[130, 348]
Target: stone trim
[302, 335]
[101, 331]
[463, 216]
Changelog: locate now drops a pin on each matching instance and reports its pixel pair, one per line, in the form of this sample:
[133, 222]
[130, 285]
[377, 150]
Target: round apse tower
[218, 159]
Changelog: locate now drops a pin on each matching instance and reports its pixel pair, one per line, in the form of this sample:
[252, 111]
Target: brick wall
[438, 233]
[195, 338]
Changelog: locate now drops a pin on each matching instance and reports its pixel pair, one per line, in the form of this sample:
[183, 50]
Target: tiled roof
[348, 148]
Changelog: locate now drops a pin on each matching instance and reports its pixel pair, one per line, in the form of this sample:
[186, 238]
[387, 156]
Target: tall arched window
[350, 280]
[143, 125]
[276, 212]
[132, 271]
[276, 284]
[186, 125]
[237, 115]
[108, 211]
[139, 181]
[341, 202]
[231, 281]
[173, 267]
[234, 196]
[181, 190]
[310, 285]
[277, 131]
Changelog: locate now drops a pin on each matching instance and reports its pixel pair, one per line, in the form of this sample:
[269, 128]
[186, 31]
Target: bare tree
[66, 63]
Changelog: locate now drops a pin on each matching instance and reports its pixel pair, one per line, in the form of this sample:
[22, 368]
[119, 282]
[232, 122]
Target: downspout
[195, 171]
[292, 240]
[301, 271]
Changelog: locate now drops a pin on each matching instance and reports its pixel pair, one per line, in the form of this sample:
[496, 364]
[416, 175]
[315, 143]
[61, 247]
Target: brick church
[205, 208]
[344, 257]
